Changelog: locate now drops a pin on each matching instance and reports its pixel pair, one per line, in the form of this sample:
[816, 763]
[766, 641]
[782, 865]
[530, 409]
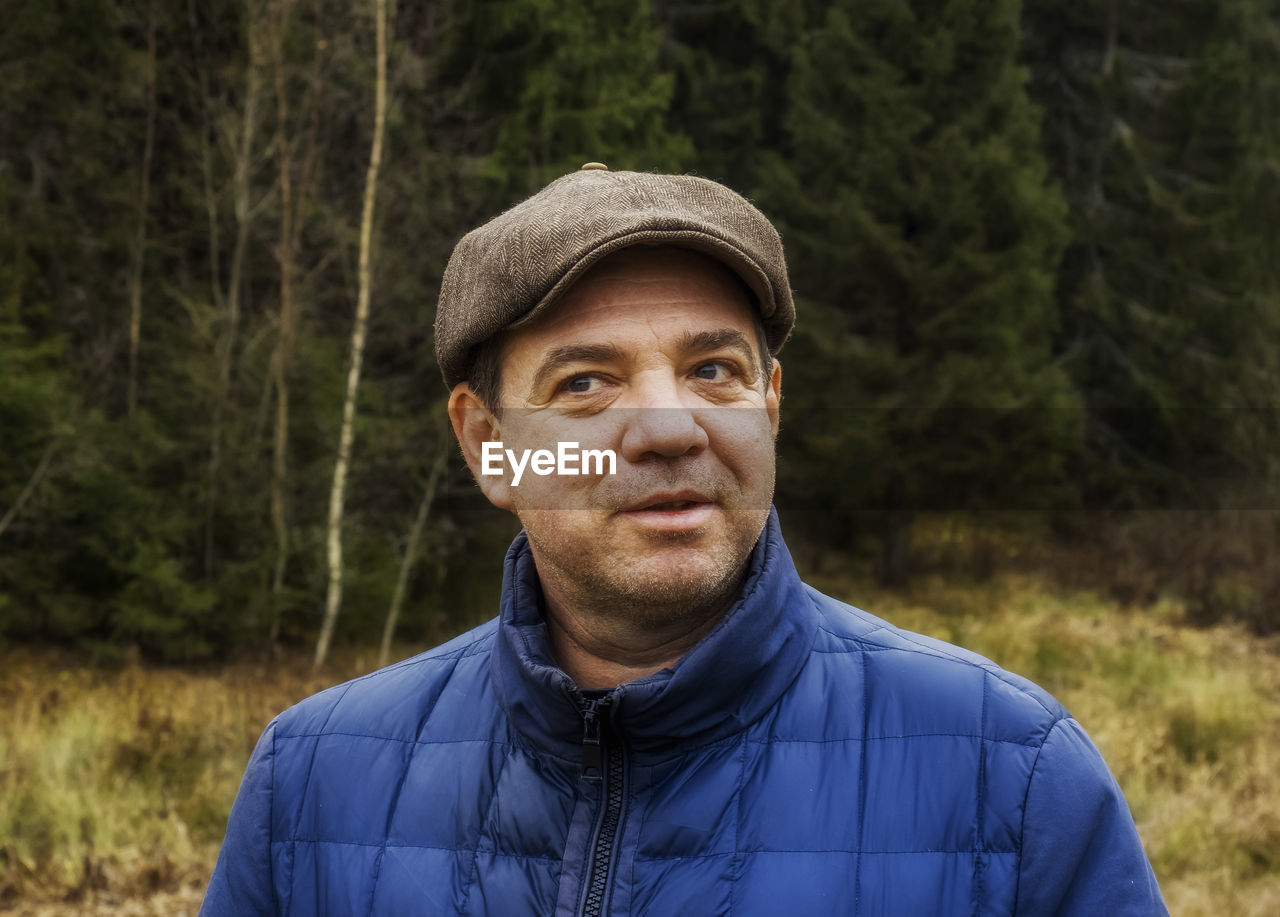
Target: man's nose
[660, 423]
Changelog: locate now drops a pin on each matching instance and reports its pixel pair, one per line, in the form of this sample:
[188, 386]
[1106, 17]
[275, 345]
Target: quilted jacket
[804, 758]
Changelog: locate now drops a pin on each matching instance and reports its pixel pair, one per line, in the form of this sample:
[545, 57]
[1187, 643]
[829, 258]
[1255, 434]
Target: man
[664, 720]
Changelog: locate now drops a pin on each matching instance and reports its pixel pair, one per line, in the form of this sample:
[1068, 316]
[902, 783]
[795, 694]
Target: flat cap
[505, 272]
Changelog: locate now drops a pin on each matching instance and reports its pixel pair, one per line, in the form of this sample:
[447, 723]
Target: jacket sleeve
[242, 882]
[1080, 849]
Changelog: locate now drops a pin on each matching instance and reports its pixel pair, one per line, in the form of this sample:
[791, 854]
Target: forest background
[1036, 256]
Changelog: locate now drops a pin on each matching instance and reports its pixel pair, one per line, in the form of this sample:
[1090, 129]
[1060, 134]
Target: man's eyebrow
[560, 357]
[704, 341]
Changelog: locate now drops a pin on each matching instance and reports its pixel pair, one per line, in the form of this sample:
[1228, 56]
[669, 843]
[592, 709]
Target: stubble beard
[640, 592]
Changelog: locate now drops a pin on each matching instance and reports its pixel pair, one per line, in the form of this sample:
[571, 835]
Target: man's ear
[474, 425]
[773, 397]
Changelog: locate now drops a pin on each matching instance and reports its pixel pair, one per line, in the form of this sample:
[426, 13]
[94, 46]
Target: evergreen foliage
[730, 61]
[1034, 252]
[925, 234]
[567, 83]
[1158, 118]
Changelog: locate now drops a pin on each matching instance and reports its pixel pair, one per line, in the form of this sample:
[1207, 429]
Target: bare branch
[412, 548]
[32, 483]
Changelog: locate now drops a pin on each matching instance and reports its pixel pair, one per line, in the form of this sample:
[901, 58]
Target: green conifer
[924, 235]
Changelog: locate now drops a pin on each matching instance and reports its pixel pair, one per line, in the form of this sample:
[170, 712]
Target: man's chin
[642, 563]
[677, 576]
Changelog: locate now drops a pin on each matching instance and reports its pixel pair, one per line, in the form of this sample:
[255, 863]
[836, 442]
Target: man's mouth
[673, 506]
[669, 502]
[673, 512]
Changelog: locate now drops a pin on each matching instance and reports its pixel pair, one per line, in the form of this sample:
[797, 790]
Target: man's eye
[582, 385]
[712, 372]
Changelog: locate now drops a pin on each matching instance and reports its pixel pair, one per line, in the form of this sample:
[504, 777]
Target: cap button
[589, 166]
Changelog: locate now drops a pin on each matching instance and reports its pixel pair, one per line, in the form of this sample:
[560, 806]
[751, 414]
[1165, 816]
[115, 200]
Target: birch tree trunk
[333, 599]
[140, 232]
[411, 551]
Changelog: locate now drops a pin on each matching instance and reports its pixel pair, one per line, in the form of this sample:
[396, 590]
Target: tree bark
[284, 340]
[42, 467]
[895, 569]
[215, 281]
[895, 558]
[411, 551]
[1113, 28]
[140, 231]
[244, 214]
[337, 495]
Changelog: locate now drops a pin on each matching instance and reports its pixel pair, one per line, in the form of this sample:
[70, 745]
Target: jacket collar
[728, 680]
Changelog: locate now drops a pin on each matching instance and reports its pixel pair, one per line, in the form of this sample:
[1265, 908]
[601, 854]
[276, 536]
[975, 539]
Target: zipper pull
[592, 754]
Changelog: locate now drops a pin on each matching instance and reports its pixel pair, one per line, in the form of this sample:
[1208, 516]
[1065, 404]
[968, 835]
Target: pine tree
[924, 235]
[1159, 119]
[730, 61]
[565, 83]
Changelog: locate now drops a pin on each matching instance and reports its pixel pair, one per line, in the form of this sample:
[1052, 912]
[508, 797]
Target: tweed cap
[505, 272]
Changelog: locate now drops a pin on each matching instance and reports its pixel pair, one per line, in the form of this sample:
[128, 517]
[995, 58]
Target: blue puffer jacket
[804, 758]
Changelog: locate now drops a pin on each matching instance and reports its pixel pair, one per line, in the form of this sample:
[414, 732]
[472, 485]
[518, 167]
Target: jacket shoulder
[919, 682]
[397, 701]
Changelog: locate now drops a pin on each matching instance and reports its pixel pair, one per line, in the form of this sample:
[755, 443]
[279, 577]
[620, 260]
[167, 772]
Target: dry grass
[115, 784]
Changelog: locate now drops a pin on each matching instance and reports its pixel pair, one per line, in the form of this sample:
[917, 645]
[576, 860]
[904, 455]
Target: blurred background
[1032, 402]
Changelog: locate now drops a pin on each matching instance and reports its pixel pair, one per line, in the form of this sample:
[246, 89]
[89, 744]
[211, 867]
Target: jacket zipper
[601, 762]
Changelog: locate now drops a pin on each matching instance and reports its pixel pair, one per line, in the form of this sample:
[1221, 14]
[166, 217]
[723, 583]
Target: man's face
[652, 354]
